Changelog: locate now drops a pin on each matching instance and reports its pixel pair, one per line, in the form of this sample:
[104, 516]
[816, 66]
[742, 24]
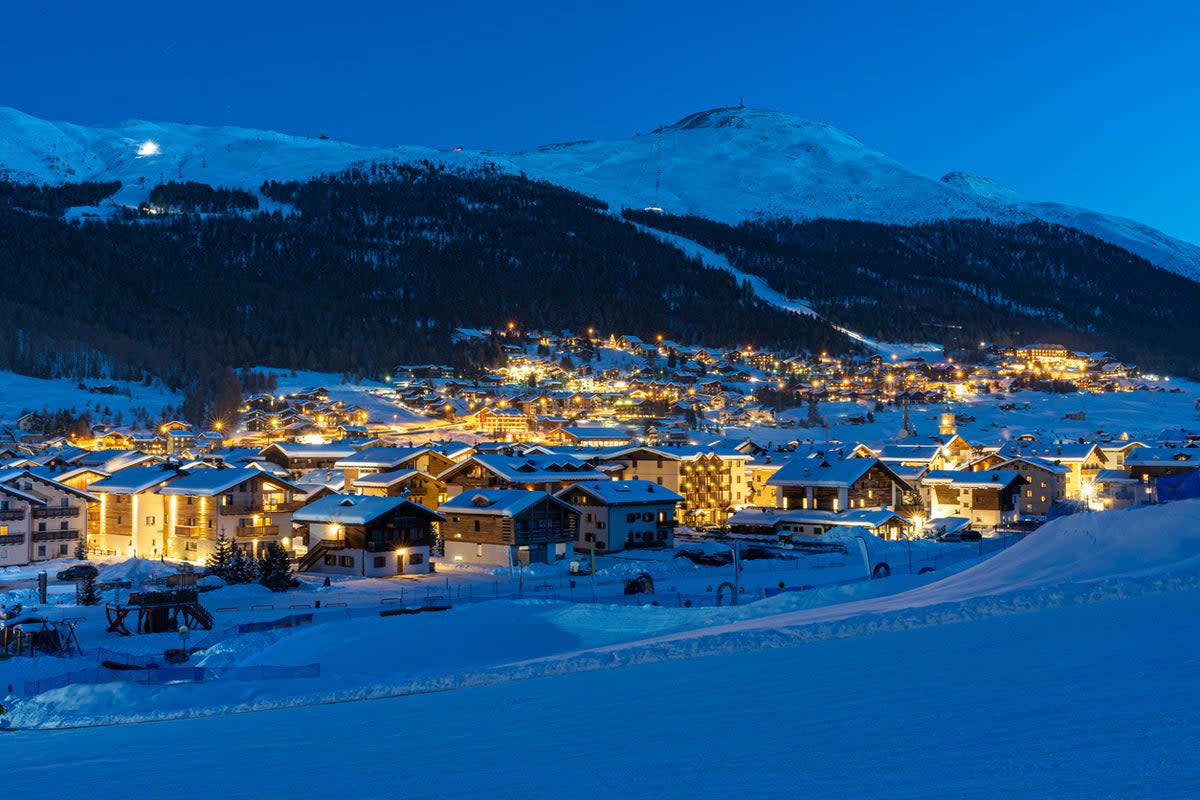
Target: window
[41, 526]
[41, 551]
[62, 549]
[150, 520]
[416, 558]
[3, 530]
[191, 546]
[647, 517]
[227, 500]
[380, 562]
[347, 561]
[479, 551]
[477, 526]
[62, 526]
[64, 502]
[3, 505]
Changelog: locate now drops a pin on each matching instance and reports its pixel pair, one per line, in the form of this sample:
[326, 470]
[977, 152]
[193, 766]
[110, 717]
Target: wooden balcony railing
[55, 536]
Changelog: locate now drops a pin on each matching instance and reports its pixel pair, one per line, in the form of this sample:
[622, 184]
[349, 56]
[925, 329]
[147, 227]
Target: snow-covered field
[20, 393]
[1062, 667]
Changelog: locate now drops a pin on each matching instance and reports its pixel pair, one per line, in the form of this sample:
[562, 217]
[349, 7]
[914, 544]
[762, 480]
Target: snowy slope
[730, 164]
[139, 154]
[1136, 237]
[727, 164]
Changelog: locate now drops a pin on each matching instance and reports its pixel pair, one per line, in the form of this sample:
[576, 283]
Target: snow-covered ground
[1064, 667]
[20, 393]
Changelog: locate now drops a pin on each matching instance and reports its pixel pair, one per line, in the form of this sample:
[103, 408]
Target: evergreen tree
[86, 592]
[81, 549]
[275, 569]
[220, 563]
[241, 567]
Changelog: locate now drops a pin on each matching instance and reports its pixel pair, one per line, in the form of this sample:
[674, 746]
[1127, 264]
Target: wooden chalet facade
[507, 527]
[366, 536]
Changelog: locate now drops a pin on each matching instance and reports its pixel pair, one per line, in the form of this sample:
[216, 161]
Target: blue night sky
[1091, 103]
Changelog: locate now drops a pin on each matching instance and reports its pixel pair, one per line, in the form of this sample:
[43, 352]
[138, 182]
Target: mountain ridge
[727, 164]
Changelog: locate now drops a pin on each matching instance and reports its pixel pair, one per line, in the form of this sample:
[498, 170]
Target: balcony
[58, 511]
[262, 508]
[10, 514]
[55, 536]
[12, 538]
[257, 531]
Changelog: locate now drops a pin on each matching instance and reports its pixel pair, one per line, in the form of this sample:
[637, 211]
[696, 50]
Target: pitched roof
[357, 509]
[210, 482]
[134, 479]
[982, 479]
[381, 457]
[615, 493]
[531, 468]
[828, 474]
[497, 502]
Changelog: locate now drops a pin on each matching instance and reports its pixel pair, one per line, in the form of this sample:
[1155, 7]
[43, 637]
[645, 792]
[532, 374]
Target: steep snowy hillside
[727, 164]
[732, 163]
[1153, 245]
[141, 154]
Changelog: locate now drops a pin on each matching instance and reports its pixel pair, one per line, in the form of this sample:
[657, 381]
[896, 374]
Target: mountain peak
[739, 118]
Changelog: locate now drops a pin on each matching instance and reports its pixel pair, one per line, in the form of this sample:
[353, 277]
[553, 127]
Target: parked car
[970, 536]
[78, 572]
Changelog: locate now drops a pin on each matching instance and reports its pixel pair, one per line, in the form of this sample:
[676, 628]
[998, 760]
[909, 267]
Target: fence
[165, 675]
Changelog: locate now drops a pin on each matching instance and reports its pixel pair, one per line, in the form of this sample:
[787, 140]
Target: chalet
[389, 459]
[413, 484]
[1116, 489]
[132, 518]
[587, 437]
[299, 458]
[507, 527]
[59, 525]
[529, 471]
[368, 536]
[1045, 484]
[1149, 463]
[16, 525]
[1084, 459]
[246, 506]
[989, 499]
[834, 485]
[619, 515]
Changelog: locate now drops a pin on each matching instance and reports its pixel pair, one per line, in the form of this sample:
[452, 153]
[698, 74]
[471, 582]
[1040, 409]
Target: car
[971, 536]
[78, 572]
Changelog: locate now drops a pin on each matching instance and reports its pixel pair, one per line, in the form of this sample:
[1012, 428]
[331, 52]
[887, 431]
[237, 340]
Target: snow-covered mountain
[726, 164]
[140, 154]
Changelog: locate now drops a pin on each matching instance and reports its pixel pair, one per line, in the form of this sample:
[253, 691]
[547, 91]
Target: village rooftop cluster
[579, 445]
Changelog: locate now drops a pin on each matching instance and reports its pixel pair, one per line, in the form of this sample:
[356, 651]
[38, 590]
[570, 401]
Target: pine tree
[81, 549]
[241, 568]
[86, 593]
[220, 563]
[275, 569]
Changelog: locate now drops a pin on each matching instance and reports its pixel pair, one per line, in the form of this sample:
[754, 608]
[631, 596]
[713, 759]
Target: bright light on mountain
[149, 148]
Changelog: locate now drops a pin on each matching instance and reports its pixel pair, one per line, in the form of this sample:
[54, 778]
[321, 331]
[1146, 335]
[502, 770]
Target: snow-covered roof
[380, 457]
[771, 517]
[826, 473]
[966, 479]
[1040, 463]
[310, 450]
[382, 480]
[498, 502]
[135, 479]
[629, 492]
[210, 482]
[357, 509]
[531, 468]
